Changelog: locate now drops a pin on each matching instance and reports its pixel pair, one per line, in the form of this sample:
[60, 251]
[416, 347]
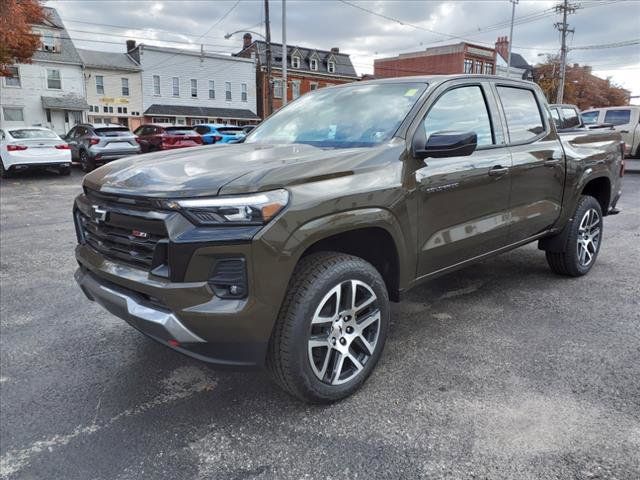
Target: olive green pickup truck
[284, 251]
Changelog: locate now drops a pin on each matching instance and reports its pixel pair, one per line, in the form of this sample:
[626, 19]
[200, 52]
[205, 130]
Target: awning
[202, 112]
[65, 102]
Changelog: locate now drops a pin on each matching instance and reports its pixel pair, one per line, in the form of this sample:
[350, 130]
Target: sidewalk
[632, 165]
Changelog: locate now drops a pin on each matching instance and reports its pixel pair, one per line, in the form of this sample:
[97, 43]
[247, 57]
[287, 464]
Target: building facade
[50, 91]
[113, 84]
[519, 66]
[446, 60]
[187, 87]
[307, 70]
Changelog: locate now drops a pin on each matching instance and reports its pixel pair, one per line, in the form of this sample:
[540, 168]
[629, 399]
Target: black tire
[86, 163]
[3, 172]
[289, 354]
[568, 262]
[64, 171]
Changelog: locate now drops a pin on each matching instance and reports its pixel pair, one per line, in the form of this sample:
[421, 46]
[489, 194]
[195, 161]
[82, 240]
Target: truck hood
[235, 168]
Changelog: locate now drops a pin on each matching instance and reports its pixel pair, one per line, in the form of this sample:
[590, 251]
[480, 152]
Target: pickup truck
[567, 118]
[285, 250]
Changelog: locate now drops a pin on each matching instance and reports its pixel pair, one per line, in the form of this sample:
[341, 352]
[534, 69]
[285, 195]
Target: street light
[229, 35]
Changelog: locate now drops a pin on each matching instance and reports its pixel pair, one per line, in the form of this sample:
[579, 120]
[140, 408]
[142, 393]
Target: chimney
[246, 40]
[131, 44]
[502, 47]
[335, 50]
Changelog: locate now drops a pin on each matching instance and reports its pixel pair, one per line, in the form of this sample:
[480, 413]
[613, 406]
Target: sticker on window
[411, 92]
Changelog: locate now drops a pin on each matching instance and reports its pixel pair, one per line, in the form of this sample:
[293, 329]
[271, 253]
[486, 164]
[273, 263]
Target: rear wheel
[64, 170]
[331, 329]
[4, 173]
[583, 240]
[86, 163]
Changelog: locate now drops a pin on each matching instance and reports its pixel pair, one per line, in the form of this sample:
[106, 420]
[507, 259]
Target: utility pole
[513, 15]
[566, 8]
[268, 39]
[284, 53]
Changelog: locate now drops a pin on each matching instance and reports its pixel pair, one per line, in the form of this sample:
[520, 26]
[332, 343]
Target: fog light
[229, 277]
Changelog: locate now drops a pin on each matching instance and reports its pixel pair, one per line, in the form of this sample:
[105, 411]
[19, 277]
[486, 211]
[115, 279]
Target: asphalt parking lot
[501, 370]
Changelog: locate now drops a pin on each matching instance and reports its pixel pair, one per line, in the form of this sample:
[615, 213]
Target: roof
[68, 52]
[344, 67]
[108, 60]
[192, 52]
[65, 102]
[212, 112]
[517, 61]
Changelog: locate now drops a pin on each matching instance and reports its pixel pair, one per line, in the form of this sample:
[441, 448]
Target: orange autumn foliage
[17, 42]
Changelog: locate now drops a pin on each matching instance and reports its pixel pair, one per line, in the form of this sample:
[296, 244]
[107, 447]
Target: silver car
[96, 144]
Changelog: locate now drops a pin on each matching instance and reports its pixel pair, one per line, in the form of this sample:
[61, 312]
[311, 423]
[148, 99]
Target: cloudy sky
[387, 28]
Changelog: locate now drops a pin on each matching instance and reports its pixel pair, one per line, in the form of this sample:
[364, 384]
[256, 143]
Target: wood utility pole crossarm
[566, 8]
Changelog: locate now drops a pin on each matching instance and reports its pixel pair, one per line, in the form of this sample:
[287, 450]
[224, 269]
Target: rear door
[463, 200]
[71, 141]
[538, 171]
[622, 121]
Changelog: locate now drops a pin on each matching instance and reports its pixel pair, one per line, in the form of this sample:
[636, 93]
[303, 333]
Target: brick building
[448, 59]
[307, 69]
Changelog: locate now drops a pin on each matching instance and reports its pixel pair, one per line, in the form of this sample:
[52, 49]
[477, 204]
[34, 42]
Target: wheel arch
[599, 188]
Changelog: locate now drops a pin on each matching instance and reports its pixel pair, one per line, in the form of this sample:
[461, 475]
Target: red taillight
[94, 141]
[169, 140]
[63, 146]
[14, 148]
[217, 138]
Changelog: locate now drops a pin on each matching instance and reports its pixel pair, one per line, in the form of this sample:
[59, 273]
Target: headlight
[254, 209]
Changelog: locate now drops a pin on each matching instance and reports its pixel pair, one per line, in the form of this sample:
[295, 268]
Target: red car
[161, 137]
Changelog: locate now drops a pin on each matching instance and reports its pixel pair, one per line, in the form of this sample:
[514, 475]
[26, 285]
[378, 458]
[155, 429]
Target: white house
[113, 84]
[50, 91]
[188, 87]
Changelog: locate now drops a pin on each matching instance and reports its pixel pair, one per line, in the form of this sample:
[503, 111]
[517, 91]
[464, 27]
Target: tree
[581, 87]
[17, 41]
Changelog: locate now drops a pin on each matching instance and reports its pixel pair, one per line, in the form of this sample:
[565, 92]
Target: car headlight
[255, 209]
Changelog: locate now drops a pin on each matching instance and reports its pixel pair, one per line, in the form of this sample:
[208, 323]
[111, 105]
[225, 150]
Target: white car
[22, 148]
[625, 120]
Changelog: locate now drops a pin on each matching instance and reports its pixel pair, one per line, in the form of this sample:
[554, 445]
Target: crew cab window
[571, 118]
[556, 117]
[524, 121]
[617, 117]
[590, 117]
[462, 109]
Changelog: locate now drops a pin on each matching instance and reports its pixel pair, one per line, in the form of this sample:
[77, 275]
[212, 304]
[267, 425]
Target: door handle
[498, 171]
[624, 131]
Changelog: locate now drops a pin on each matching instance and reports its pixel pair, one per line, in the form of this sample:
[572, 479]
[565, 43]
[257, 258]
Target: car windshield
[343, 117]
[113, 132]
[589, 117]
[32, 133]
[179, 130]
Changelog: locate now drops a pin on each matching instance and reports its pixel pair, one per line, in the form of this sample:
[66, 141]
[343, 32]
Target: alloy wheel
[588, 237]
[344, 332]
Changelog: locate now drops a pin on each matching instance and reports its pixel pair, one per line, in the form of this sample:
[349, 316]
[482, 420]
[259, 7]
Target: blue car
[218, 133]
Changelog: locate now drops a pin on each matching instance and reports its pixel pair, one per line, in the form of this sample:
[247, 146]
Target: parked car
[154, 137]
[216, 133]
[625, 120]
[96, 144]
[284, 251]
[23, 148]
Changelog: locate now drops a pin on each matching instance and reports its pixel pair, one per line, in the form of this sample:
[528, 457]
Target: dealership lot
[501, 370]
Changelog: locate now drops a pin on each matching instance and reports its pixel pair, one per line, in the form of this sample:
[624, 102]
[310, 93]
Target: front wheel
[583, 240]
[4, 173]
[86, 163]
[331, 329]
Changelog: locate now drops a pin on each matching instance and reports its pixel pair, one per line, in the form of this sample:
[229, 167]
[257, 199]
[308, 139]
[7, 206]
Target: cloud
[333, 23]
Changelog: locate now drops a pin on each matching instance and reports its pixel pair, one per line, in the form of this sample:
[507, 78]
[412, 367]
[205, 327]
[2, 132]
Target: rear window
[179, 130]
[230, 131]
[32, 133]
[617, 117]
[113, 132]
[524, 120]
[571, 118]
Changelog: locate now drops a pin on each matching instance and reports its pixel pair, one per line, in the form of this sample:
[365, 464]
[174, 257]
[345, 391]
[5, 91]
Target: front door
[463, 200]
[538, 171]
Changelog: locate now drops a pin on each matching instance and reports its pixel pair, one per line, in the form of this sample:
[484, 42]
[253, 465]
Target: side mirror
[445, 144]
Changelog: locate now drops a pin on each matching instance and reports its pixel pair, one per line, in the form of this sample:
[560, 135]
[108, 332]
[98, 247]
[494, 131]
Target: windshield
[32, 133]
[353, 116]
[113, 132]
[230, 130]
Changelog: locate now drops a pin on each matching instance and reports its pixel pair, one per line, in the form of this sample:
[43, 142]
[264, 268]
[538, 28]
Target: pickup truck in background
[568, 118]
[625, 120]
[285, 250]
